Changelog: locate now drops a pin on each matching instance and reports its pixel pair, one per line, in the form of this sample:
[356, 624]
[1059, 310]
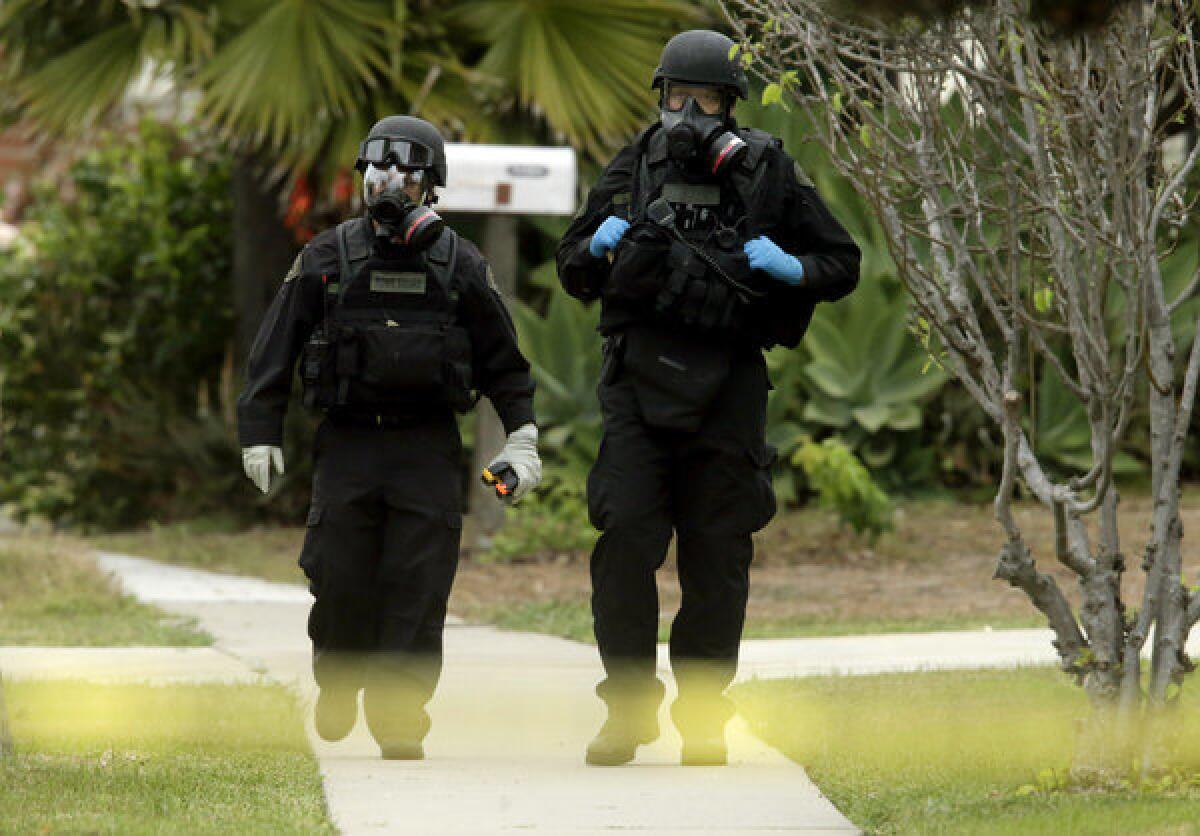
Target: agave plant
[868, 377]
[1063, 434]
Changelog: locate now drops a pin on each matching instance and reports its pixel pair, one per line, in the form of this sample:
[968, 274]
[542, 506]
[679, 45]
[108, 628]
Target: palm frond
[294, 66]
[583, 67]
[67, 67]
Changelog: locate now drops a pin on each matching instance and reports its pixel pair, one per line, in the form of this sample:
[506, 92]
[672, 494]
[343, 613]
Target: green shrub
[564, 352]
[844, 486]
[115, 318]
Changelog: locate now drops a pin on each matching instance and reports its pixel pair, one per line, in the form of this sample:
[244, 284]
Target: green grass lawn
[573, 620]
[95, 758]
[962, 752]
[52, 593]
[215, 545]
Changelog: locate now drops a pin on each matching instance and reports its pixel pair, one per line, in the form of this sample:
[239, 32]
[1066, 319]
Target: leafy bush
[862, 377]
[115, 319]
[564, 352]
[867, 375]
[844, 486]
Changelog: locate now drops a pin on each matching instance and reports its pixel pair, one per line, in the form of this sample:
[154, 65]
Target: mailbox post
[502, 182]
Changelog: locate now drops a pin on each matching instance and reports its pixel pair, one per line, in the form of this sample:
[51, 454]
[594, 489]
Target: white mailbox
[509, 179]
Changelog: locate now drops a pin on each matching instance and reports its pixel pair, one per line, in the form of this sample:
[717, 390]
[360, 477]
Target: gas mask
[700, 140]
[400, 218]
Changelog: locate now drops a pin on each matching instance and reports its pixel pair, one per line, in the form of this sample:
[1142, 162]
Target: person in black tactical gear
[398, 325]
[706, 244]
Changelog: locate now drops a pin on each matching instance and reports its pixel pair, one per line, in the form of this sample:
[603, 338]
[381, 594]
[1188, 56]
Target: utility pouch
[684, 268]
[735, 264]
[397, 358]
[725, 308]
[399, 364]
[676, 377]
[316, 372]
[640, 262]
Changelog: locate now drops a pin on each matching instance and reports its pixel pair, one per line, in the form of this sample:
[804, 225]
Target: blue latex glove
[766, 255]
[607, 235]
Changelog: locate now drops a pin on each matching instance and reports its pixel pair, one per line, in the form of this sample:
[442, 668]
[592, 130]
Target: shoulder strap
[747, 177]
[653, 146]
[352, 252]
[440, 260]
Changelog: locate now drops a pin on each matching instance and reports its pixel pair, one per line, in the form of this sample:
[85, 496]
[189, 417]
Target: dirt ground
[810, 577]
[934, 570]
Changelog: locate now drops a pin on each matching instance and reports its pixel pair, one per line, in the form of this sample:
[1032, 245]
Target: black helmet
[701, 56]
[405, 141]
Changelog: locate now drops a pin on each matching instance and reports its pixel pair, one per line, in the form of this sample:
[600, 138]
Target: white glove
[520, 454]
[257, 461]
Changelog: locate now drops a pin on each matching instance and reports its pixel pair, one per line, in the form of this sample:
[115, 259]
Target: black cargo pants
[380, 553]
[712, 489]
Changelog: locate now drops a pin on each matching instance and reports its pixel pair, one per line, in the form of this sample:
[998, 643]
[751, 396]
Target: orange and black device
[502, 477]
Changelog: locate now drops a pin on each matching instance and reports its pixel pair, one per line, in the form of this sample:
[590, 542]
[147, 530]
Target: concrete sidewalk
[511, 718]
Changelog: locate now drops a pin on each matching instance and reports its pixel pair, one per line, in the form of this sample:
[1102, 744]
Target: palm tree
[292, 85]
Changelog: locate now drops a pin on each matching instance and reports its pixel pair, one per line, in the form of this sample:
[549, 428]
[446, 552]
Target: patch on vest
[295, 270]
[802, 176]
[692, 195]
[386, 282]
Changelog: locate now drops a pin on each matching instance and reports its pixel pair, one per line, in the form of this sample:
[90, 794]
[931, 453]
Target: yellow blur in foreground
[118, 758]
[979, 752]
[66, 715]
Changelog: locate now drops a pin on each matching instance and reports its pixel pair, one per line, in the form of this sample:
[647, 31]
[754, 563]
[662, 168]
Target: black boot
[633, 698]
[706, 750]
[701, 723]
[623, 731]
[337, 712]
[410, 751]
[394, 705]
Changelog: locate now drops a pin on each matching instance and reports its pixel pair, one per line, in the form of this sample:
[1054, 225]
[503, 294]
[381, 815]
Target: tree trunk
[487, 515]
[1103, 747]
[263, 249]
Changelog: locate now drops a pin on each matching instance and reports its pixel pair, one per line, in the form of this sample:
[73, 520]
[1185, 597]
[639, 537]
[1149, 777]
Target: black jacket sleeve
[295, 311]
[581, 273]
[810, 232]
[500, 370]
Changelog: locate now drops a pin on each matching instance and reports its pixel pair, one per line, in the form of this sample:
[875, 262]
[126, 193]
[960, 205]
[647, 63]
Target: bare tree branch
[1020, 182]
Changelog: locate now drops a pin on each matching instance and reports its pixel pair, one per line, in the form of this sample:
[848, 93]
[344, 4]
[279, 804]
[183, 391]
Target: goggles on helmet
[709, 99]
[383, 151]
[378, 180]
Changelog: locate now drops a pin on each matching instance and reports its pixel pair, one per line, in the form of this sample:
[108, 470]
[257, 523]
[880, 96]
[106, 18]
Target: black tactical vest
[691, 268]
[747, 178]
[390, 341]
